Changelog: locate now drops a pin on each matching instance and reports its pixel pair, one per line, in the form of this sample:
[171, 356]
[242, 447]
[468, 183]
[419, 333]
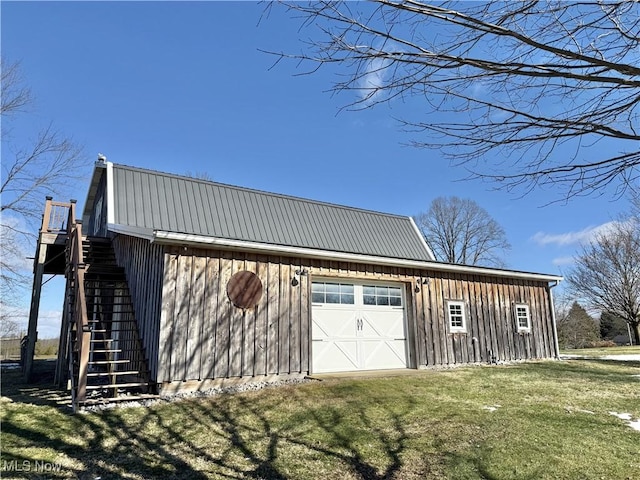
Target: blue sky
[183, 87]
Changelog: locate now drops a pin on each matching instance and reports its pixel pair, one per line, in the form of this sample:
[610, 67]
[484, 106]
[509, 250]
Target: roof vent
[102, 158]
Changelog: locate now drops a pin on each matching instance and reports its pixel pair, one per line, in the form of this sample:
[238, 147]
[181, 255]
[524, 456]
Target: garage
[357, 326]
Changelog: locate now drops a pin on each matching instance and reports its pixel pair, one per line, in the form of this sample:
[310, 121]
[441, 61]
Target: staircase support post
[32, 332]
[82, 321]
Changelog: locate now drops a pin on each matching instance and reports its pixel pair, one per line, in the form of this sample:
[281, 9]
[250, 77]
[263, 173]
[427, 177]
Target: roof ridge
[262, 192]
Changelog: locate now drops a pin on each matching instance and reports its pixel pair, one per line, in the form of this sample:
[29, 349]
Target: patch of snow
[621, 416]
[491, 408]
[627, 417]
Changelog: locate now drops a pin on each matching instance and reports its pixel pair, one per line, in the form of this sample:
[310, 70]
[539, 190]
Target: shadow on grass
[228, 436]
[39, 391]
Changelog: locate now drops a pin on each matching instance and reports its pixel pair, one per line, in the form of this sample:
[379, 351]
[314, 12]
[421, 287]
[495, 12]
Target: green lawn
[546, 420]
[600, 352]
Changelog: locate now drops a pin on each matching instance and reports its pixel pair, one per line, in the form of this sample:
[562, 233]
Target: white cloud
[48, 320]
[49, 323]
[560, 261]
[571, 238]
[373, 80]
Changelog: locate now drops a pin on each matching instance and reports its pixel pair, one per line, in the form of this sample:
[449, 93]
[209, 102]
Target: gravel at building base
[246, 387]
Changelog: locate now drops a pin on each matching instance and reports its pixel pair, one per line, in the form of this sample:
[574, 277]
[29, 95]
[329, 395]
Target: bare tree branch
[15, 95]
[505, 84]
[49, 164]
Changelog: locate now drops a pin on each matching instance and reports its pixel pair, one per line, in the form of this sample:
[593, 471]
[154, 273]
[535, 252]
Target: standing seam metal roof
[152, 200]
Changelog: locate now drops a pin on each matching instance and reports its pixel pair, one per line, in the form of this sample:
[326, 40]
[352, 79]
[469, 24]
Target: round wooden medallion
[244, 289]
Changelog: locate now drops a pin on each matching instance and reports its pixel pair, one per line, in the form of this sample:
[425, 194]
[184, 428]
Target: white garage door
[357, 326]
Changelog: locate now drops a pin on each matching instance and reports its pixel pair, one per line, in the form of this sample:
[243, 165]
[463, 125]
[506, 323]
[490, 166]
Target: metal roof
[149, 201]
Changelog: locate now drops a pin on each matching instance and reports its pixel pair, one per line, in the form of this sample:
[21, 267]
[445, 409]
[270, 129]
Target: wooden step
[109, 321]
[101, 350]
[118, 385]
[108, 362]
[107, 374]
[125, 398]
[96, 330]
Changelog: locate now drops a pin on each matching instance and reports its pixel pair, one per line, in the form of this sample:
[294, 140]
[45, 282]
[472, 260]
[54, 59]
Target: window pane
[369, 290]
[333, 298]
[317, 287]
[395, 292]
[346, 289]
[347, 299]
[382, 300]
[332, 287]
[317, 297]
[395, 301]
[382, 291]
[369, 299]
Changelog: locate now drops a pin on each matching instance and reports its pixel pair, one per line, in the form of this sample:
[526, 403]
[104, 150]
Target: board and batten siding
[204, 336]
[143, 263]
[491, 334]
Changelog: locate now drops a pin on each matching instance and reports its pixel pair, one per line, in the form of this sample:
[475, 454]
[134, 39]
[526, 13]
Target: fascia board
[174, 238]
[145, 233]
[91, 193]
[424, 242]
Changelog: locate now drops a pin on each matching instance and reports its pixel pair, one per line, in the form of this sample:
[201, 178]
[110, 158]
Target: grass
[600, 352]
[551, 421]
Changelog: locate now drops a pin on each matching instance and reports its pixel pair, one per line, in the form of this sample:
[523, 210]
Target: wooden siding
[204, 336]
[97, 226]
[143, 263]
[491, 332]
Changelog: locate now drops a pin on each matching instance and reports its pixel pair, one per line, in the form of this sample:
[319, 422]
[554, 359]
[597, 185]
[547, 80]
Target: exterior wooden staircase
[116, 368]
[100, 355]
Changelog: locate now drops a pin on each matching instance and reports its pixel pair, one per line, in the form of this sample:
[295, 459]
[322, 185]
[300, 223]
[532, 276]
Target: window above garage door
[338, 293]
[331, 292]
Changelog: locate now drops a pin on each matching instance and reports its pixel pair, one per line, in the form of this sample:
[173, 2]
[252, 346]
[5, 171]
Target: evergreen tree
[577, 329]
[612, 326]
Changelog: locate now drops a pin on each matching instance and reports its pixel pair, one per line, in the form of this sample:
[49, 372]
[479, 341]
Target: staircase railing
[58, 216]
[80, 319]
[53, 222]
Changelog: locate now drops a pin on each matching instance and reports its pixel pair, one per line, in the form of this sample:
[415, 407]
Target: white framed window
[331, 292]
[381, 295]
[457, 317]
[523, 319]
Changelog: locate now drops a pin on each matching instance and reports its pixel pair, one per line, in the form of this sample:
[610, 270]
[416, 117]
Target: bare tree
[48, 164]
[510, 82]
[461, 231]
[199, 175]
[607, 273]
